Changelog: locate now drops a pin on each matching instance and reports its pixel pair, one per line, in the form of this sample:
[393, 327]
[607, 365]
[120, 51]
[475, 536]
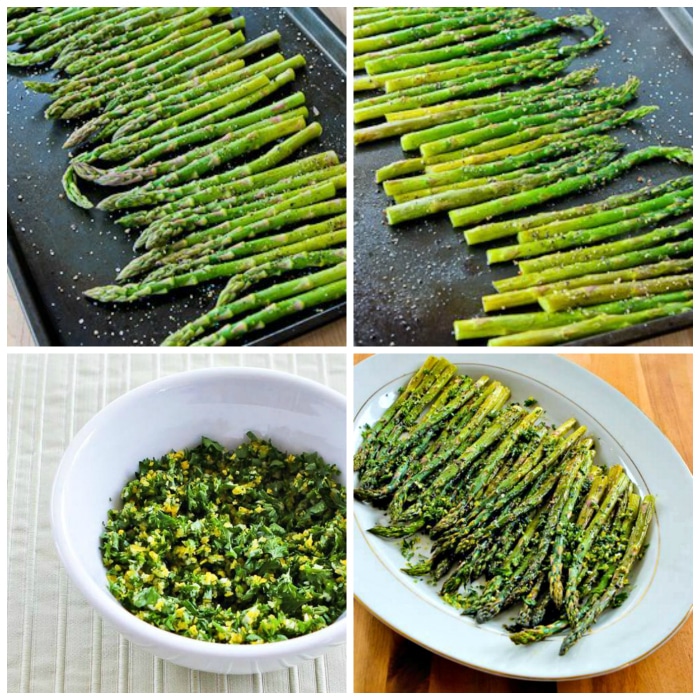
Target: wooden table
[661, 386]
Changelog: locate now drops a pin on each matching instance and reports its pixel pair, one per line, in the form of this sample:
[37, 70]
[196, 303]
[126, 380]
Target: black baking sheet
[412, 281]
[56, 250]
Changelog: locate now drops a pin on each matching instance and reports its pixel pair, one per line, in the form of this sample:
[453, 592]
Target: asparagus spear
[620, 577]
[415, 445]
[489, 401]
[461, 68]
[56, 22]
[49, 45]
[593, 123]
[164, 229]
[393, 461]
[618, 483]
[275, 312]
[413, 77]
[255, 301]
[239, 190]
[530, 162]
[560, 535]
[435, 24]
[519, 142]
[95, 19]
[150, 195]
[72, 189]
[17, 12]
[515, 500]
[559, 106]
[81, 102]
[503, 229]
[202, 160]
[525, 323]
[470, 215]
[225, 222]
[502, 38]
[301, 261]
[591, 326]
[202, 246]
[468, 108]
[604, 555]
[559, 86]
[247, 138]
[158, 100]
[403, 28]
[510, 569]
[375, 436]
[444, 39]
[239, 94]
[492, 513]
[138, 54]
[464, 447]
[647, 240]
[677, 207]
[425, 184]
[183, 89]
[521, 297]
[154, 120]
[604, 264]
[230, 117]
[601, 219]
[452, 199]
[226, 101]
[134, 291]
[229, 247]
[588, 296]
[131, 20]
[460, 87]
[73, 61]
[569, 481]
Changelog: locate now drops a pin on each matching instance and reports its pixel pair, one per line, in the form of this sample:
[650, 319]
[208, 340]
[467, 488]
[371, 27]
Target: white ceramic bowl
[173, 413]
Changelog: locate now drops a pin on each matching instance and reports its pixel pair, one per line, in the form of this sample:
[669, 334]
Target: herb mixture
[240, 547]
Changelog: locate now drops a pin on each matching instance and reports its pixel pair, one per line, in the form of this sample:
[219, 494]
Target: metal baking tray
[56, 250]
[412, 281]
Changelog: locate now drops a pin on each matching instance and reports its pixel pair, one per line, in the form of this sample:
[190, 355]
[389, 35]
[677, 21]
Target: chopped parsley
[240, 547]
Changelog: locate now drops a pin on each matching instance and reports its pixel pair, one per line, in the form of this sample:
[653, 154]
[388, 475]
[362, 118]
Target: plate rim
[394, 365]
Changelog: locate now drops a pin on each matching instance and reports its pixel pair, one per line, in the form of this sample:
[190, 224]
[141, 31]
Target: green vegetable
[517, 513]
[237, 547]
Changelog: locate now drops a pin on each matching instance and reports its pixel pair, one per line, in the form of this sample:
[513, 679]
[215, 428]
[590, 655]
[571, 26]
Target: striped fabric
[55, 642]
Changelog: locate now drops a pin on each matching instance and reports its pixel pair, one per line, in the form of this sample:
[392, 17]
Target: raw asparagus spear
[590, 326]
[151, 195]
[598, 294]
[509, 227]
[601, 264]
[275, 293]
[521, 297]
[134, 291]
[275, 312]
[506, 325]
[678, 206]
[580, 255]
[480, 212]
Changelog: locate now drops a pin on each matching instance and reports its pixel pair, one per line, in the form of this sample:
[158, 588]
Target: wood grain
[386, 662]
[661, 386]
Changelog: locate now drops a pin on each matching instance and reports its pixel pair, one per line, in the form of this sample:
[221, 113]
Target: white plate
[661, 596]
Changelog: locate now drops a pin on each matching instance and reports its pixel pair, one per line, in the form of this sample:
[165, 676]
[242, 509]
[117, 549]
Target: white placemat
[55, 642]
